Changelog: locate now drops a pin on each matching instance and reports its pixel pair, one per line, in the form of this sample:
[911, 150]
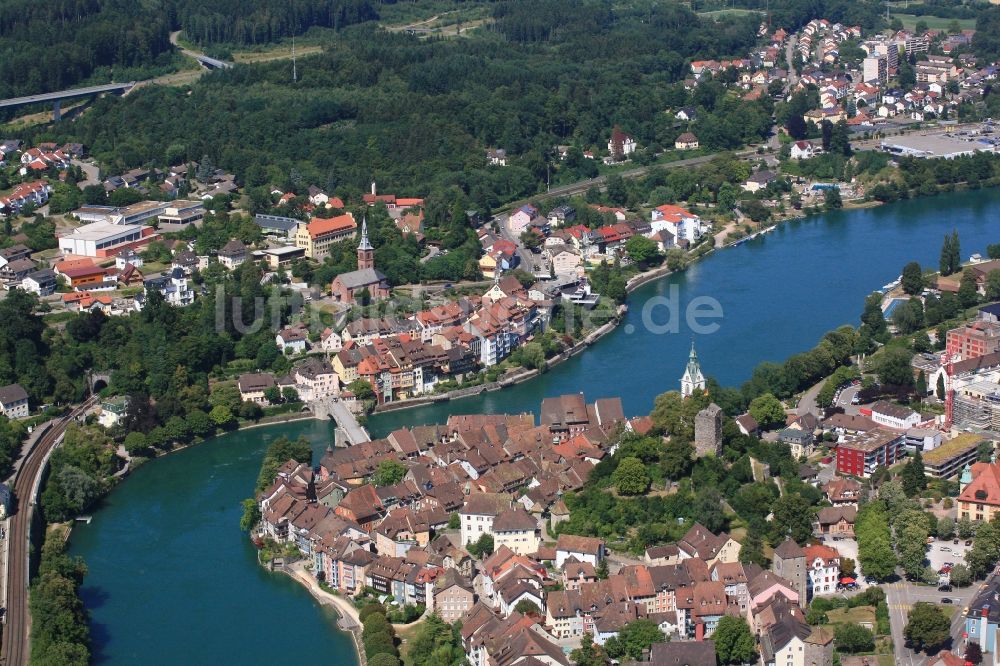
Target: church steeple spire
[365, 245]
[693, 377]
[366, 253]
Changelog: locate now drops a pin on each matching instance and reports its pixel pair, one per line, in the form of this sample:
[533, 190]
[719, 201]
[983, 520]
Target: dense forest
[415, 115]
[243, 22]
[58, 44]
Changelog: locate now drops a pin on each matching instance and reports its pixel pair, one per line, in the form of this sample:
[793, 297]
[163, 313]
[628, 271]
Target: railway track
[17, 620]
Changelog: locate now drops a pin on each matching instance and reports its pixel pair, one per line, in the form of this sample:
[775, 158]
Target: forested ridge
[58, 44]
[416, 115]
[52, 45]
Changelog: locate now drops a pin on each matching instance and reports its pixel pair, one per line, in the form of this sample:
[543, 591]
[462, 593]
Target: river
[172, 580]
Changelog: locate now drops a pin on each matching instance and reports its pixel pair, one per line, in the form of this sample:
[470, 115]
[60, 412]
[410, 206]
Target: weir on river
[173, 580]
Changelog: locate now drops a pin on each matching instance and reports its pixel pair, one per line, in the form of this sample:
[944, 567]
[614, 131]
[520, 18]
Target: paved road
[528, 259]
[15, 648]
[807, 403]
[347, 421]
[790, 54]
[90, 170]
[901, 596]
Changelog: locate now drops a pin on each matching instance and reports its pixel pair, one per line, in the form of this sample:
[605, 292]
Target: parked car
[968, 542]
[944, 588]
[955, 542]
[945, 549]
[946, 600]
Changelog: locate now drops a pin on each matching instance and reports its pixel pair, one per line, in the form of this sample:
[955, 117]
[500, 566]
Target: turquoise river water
[173, 581]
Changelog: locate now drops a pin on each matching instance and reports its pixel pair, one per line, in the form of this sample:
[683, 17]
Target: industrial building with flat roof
[951, 457]
[934, 145]
[104, 239]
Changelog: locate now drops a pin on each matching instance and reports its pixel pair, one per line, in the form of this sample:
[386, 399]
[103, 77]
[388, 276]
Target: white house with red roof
[823, 567]
[803, 150]
[680, 222]
[36, 193]
[621, 145]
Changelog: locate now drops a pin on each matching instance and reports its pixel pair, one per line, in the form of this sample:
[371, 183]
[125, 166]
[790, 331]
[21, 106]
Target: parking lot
[941, 552]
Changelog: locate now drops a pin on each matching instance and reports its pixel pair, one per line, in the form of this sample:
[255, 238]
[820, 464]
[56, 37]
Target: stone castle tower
[366, 253]
[790, 563]
[708, 431]
[692, 378]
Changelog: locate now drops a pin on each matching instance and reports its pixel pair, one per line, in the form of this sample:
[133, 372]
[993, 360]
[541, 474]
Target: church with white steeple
[366, 283]
[692, 378]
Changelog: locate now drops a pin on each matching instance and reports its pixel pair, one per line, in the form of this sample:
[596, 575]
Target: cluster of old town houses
[504, 476]
[861, 92]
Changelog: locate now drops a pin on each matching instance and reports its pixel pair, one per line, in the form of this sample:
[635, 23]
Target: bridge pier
[56, 111]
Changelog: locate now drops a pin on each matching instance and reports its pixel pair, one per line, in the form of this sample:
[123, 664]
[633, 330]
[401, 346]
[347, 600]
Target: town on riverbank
[183, 262]
[585, 534]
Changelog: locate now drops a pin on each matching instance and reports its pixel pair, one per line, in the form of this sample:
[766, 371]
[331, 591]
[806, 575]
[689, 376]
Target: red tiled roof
[320, 226]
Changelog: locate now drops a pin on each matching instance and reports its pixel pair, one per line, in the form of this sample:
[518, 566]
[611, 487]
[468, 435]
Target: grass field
[730, 12]
[933, 22]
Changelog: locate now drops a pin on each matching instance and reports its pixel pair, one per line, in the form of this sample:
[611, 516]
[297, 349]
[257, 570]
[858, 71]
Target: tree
[939, 389]
[278, 453]
[965, 528]
[454, 521]
[913, 477]
[949, 250]
[707, 510]
[909, 317]
[992, 286]
[527, 607]
[792, 518]
[361, 389]
[767, 411]
[968, 290]
[913, 279]
[926, 628]
[589, 653]
[251, 514]
[734, 642]
[630, 477]
[946, 527]
[389, 473]
[135, 443]
[727, 197]
[384, 659]
[641, 249]
[482, 547]
[853, 638]
[633, 638]
[832, 199]
[616, 191]
[222, 416]
[289, 394]
[893, 367]
[985, 551]
[675, 461]
[973, 653]
[796, 126]
[960, 576]
[435, 643]
[602, 569]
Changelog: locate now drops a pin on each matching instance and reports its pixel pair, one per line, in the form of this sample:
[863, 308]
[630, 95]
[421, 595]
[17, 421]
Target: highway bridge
[210, 63]
[56, 98]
